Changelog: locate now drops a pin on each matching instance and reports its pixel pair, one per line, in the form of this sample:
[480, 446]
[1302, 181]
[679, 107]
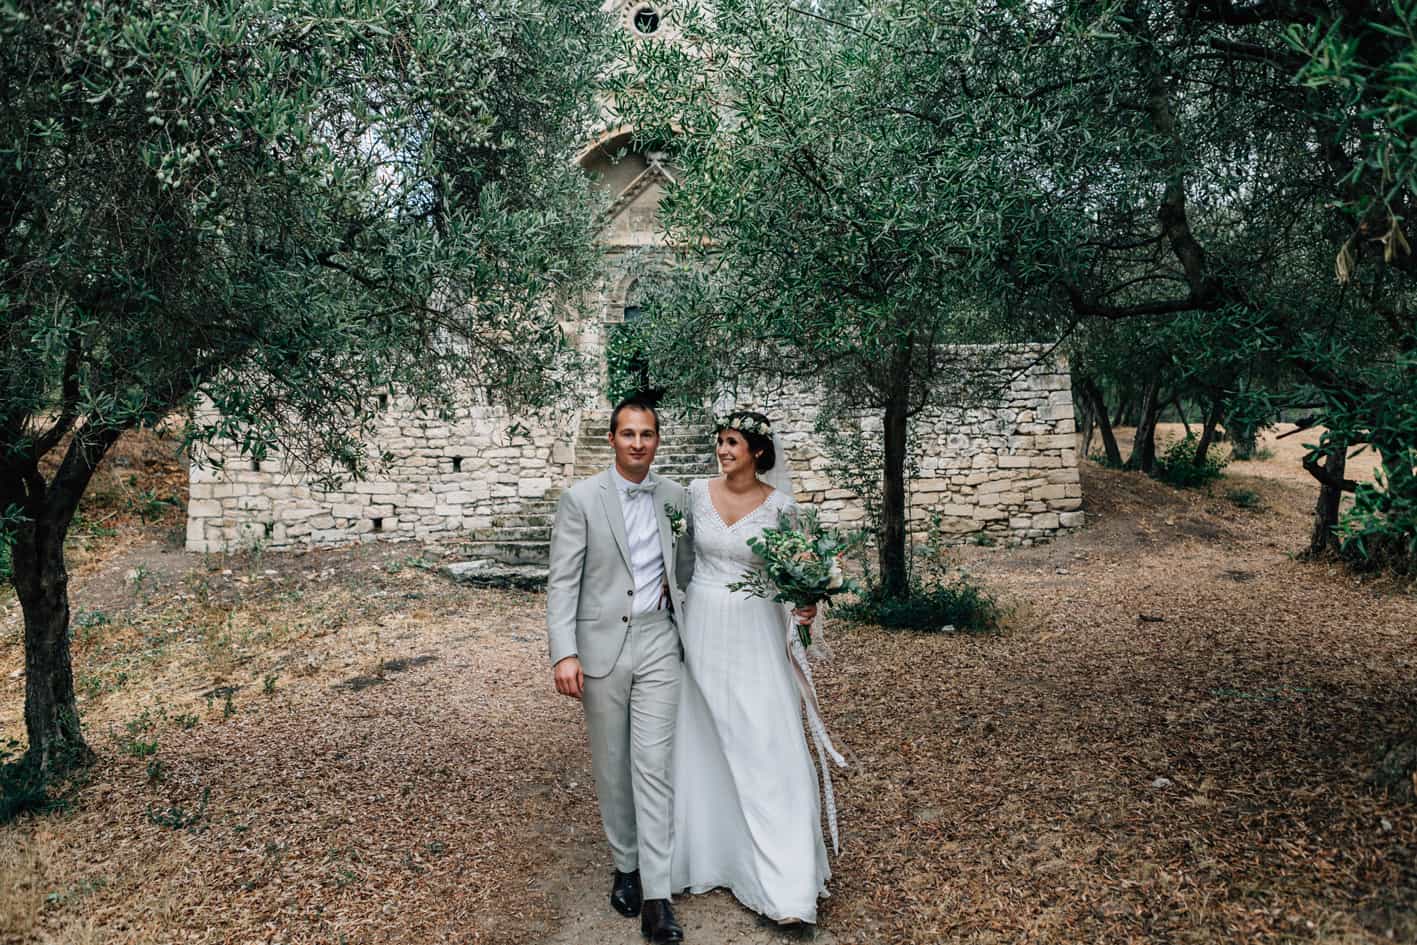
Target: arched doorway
[634, 181]
[626, 365]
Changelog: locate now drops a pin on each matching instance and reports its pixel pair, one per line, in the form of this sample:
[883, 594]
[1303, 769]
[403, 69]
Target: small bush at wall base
[1244, 498]
[1179, 468]
[957, 606]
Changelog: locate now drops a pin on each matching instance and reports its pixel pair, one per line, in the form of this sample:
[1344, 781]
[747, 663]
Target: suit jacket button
[630, 593]
[624, 619]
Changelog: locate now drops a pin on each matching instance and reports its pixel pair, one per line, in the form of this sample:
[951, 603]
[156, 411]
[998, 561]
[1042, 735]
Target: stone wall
[1006, 468]
[446, 479]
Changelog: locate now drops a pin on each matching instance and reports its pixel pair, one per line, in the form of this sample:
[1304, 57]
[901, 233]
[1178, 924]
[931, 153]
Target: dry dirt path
[1171, 741]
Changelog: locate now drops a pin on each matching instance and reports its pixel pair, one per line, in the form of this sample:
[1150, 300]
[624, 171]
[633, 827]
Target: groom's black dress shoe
[625, 893]
[657, 922]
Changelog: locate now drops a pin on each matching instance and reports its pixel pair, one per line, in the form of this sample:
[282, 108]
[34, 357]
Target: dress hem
[759, 908]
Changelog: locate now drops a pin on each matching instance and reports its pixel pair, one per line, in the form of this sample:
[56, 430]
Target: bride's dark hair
[759, 444]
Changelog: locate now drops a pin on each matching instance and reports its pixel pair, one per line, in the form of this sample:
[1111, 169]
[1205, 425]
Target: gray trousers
[630, 715]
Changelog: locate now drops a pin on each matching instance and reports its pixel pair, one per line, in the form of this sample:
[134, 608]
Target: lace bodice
[721, 552]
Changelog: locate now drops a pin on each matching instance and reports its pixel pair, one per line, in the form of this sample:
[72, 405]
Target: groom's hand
[570, 681]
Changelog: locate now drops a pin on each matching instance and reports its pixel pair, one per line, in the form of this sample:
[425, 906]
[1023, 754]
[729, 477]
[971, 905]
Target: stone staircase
[520, 537]
[515, 550]
[685, 446]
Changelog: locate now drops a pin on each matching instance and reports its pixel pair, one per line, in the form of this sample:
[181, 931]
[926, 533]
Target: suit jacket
[590, 588]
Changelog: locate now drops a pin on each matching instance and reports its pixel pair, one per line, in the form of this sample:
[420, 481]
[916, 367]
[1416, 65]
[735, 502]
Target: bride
[746, 809]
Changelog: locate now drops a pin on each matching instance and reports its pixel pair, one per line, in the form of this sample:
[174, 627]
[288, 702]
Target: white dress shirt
[642, 541]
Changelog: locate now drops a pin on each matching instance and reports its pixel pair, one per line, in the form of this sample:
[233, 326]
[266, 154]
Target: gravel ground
[1173, 740]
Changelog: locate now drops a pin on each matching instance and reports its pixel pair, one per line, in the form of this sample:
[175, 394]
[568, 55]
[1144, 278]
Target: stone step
[511, 552]
[697, 440]
[538, 507]
[661, 455]
[686, 449]
[598, 427]
[603, 460]
[541, 520]
[486, 572]
[671, 472]
[595, 458]
[541, 517]
[512, 534]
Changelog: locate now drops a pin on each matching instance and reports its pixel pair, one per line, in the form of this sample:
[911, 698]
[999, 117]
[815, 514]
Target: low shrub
[625, 360]
[1179, 468]
[954, 606]
[1244, 498]
[1379, 531]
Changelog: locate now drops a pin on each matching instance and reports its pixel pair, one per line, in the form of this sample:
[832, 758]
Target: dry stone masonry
[1004, 470]
[478, 478]
[1007, 470]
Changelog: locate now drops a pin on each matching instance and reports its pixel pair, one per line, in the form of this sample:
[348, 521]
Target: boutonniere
[677, 523]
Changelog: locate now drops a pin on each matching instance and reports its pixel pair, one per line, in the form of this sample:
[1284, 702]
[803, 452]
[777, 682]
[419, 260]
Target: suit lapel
[610, 500]
[666, 541]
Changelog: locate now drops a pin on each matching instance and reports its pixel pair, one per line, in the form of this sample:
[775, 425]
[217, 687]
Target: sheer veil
[780, 476]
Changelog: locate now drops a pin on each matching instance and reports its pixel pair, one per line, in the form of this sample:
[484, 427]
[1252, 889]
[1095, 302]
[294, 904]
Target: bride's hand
[805, 614]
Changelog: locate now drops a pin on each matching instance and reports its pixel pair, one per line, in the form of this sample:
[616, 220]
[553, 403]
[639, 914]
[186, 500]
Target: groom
[612, 598]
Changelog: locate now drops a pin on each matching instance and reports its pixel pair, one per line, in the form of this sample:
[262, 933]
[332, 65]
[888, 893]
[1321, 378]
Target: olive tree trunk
[892, 552]
[41, 581]
[1212, 420]
[1097, 409]
[1323, 539]
[1143, 455]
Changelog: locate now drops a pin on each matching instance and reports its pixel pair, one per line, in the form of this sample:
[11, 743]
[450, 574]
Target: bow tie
[639, 488]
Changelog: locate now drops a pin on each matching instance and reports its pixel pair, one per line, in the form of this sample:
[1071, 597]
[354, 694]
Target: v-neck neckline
[708, 492]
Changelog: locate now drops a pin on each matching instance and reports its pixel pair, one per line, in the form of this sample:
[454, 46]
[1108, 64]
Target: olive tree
[275, 208]
[837, 219]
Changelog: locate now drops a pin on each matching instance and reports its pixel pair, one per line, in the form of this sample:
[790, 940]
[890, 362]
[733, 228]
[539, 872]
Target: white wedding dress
[746, 809]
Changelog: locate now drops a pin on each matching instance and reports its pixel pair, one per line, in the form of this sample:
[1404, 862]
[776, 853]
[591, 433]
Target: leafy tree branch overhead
[279, 207]
[829, 234]
[863, 182]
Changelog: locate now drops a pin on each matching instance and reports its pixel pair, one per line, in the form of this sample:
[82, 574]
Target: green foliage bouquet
[802, 565]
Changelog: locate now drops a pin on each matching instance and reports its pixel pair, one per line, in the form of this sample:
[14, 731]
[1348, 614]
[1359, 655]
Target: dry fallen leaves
[1082, 777]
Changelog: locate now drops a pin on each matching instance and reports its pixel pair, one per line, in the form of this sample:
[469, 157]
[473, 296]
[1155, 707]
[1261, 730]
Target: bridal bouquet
[801, 565]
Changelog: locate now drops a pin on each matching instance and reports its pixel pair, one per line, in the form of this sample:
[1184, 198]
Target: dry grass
[1007, 788]
[22, 887]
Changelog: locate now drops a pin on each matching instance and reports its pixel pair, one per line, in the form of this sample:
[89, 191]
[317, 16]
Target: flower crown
[744, 422]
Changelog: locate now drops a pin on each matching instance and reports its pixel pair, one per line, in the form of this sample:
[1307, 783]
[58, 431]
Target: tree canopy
[278, 208]
[1203, 200]
[841, 220]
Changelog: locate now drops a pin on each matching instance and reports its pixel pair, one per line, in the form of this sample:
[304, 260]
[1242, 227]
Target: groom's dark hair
[633, 402]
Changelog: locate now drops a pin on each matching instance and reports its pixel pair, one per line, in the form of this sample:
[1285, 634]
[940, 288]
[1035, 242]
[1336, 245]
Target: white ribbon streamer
[797, 656]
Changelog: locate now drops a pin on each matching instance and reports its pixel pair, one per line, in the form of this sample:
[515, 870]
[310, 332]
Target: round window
[646, 20]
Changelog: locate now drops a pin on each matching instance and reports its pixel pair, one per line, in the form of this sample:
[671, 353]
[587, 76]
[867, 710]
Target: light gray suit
[631, 664]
